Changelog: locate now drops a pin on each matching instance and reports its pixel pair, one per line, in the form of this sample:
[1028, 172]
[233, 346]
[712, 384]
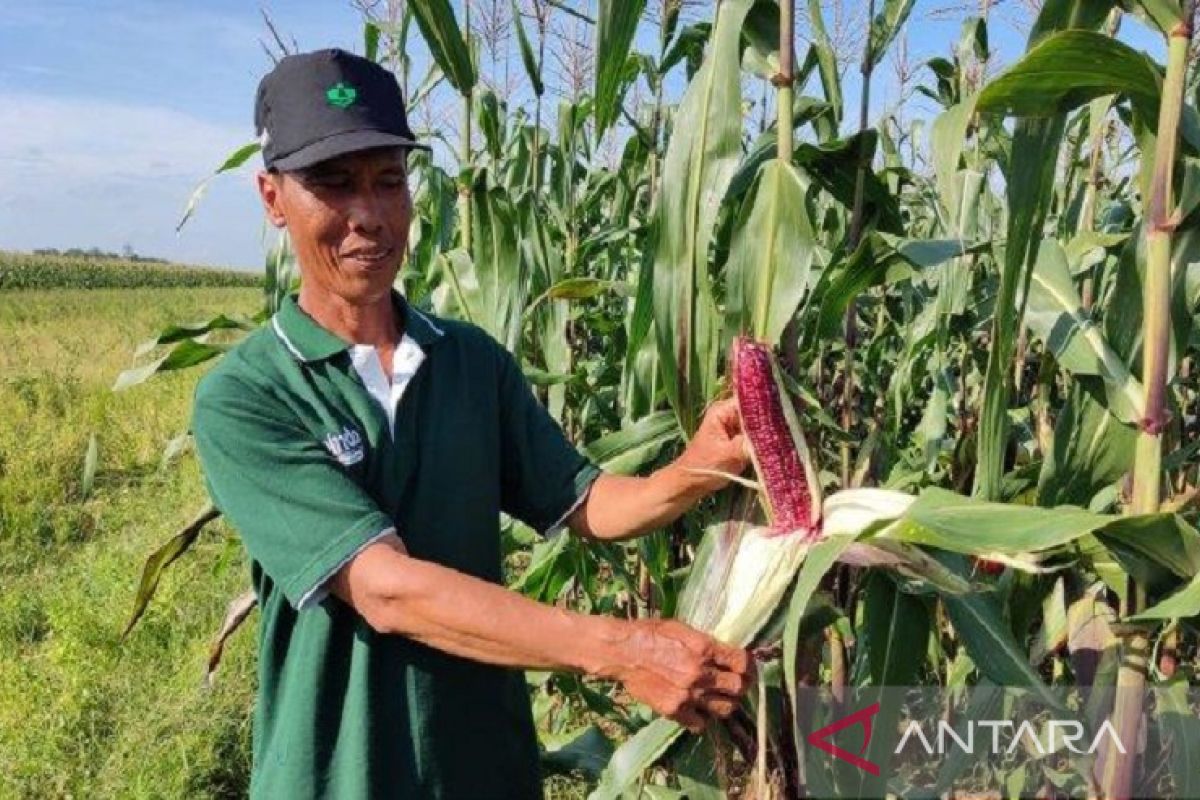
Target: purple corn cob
[777, 447]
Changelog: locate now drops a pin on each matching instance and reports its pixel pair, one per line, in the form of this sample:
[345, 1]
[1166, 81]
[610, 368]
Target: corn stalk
[857, 223]
[1148, 458]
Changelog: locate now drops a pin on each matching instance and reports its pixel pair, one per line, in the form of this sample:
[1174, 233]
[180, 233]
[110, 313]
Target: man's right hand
[681, 673]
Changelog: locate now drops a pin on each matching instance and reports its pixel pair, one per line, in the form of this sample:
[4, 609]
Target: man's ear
[269, 188]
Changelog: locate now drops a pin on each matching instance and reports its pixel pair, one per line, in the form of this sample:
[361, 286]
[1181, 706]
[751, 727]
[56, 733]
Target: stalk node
[779, 80]
[1168, 225]
[1154, 426]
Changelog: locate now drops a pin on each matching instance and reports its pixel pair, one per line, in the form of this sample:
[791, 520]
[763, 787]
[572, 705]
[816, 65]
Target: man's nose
[366, 212]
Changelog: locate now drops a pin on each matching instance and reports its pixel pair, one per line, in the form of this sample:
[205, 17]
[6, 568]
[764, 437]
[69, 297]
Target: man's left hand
[719, 448]
[621, 506]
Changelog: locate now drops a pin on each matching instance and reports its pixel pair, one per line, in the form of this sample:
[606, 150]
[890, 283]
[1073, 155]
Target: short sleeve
[299, 515]
[544, 478]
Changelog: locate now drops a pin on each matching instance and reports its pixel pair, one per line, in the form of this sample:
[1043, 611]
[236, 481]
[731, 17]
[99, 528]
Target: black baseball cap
[320, 105]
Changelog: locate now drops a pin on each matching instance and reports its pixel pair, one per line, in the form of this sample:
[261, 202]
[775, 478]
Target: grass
[81, 713]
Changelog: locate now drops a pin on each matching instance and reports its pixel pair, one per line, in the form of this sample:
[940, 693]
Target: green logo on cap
[341, 95]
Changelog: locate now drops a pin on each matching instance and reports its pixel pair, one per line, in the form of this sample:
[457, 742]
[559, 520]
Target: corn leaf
[760, 35]
[827, 63]
[986, 702]
[567, 9]
[831, 165]
[550, 569]
[820, 559]
[701, 158]
[162, 558]
[1162, 14]
[1182, 730]
[631, 449]
[587, 751]
[886, 26]
[188, 353]
[1092, 449]
[501, 275]
[1184, 604]
[1067, 70]
[233, 161]
[1055, 314]
[235, 614]
[640, 373]
[490, 115]
[533, 66]
[967, 525]
[947, 138]
[636, 756]
[616, 25]
[895, 627]
[189, 330]
[1165, 540]
[981, 627]
[439, 26]
[696, 766]
[772, 253]
[688, 46]
[870, 265]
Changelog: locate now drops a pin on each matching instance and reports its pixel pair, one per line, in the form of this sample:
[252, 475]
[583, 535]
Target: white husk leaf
[855, 511]
[762, 570]
[747, 585]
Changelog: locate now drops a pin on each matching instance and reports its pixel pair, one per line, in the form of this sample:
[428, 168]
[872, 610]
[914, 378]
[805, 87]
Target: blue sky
[111, 111]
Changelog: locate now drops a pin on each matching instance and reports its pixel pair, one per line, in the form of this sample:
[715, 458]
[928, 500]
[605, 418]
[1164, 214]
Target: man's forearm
[676, 670]
[622, 507]
[475, 619]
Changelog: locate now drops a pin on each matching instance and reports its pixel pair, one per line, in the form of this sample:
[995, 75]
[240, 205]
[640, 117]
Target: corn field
[982, 332]
[23, 271]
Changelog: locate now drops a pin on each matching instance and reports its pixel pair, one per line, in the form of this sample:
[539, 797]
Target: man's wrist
[604, 653]
[681, 487]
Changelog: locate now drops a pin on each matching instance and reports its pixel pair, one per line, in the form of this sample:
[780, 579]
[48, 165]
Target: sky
[113, 111]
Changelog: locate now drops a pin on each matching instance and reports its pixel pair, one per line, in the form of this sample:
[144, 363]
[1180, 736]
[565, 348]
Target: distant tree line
[127, 254]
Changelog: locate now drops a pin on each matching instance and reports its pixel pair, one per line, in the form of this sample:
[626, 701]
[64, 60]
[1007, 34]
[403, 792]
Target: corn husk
[857, 511]
[739, 577]
[743, 570]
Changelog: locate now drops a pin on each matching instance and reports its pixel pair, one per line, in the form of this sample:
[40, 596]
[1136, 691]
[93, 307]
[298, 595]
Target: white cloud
[79, 172]
[87, 139]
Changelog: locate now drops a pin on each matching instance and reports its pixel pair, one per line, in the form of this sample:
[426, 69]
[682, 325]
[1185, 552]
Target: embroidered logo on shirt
[346, 447]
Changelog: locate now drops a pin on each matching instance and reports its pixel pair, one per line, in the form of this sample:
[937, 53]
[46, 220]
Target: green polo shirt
[299, 458]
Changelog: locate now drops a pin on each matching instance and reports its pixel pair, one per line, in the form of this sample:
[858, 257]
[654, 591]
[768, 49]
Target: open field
[81, 714]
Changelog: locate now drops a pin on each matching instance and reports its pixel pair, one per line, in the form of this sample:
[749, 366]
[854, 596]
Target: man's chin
[364, 287]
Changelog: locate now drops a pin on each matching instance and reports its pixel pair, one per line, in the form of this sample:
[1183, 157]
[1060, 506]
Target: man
[364, 450]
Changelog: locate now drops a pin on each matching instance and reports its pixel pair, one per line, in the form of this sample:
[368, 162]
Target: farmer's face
[348, 220]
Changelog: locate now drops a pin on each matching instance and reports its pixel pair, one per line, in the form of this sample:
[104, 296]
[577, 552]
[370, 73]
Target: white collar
[405, 362]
